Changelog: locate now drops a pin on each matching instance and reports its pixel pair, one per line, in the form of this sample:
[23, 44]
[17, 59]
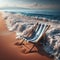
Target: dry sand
[8, 49]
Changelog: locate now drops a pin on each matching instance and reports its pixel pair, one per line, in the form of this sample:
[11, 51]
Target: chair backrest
[44, 29]
[39, 33]
[34, 33]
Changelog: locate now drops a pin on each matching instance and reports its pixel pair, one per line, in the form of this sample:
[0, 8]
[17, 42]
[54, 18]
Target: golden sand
[9, 51]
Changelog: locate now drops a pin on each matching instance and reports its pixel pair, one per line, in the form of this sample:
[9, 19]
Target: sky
[31, 4]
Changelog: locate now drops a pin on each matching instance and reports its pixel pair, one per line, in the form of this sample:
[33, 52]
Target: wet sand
[8, 49]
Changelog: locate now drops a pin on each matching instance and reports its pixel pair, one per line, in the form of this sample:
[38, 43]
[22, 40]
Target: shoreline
[9, 51]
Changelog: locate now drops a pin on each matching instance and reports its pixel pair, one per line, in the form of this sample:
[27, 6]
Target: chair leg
[32, 48]
[22, 42]
[29, 50]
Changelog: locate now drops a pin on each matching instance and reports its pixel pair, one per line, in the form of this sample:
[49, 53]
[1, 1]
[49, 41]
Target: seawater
[49, 14]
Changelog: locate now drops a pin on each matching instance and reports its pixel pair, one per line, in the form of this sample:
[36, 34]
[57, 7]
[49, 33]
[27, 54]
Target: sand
[10, 51]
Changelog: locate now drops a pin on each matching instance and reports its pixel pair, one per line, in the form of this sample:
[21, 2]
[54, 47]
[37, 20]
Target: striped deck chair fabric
[38, 33]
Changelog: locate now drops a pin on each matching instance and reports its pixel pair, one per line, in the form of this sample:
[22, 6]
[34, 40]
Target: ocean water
[53, 15]
[48, 16]
[53, 33]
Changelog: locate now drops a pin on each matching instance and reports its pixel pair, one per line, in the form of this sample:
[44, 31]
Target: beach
[8, 49]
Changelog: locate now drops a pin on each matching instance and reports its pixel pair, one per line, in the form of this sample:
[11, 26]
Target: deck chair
[37, 34]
